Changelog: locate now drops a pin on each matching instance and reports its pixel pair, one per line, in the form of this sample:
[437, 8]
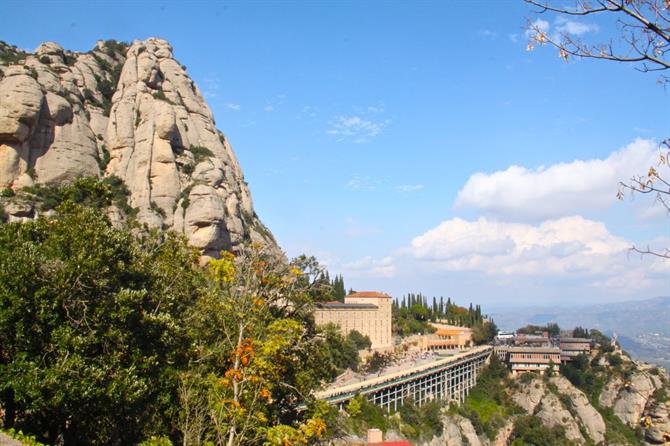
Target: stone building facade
[368, 312]
[447, 337]
[573, 347]
[530, 359]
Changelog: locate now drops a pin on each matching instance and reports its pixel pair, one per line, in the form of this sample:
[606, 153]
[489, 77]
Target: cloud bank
[518, 193]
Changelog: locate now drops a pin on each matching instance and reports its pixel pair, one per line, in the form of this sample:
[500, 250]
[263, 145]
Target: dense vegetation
[115, 335]
[411, 421]
[413, 315]
[488, 404]
[551, 328]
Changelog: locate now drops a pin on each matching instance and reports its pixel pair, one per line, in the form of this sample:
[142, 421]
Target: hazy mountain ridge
[129, 111]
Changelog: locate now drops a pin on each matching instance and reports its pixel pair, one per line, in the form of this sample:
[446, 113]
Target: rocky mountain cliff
[604, 399]
[129, 111]
[630, 409]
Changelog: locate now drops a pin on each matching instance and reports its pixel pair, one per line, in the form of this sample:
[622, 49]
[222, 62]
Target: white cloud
[409, 187]
[557, 190]
[234, 107]
[538, 25]
[572, 27]
[370, 267]
[268, 108]
[358, 128]
[566, 248]
[514, 38]
[484, 243]
[562, 26]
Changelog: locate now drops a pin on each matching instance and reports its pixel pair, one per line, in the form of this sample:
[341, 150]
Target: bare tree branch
[644, 32]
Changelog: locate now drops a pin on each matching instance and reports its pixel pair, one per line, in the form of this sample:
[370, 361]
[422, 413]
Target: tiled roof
[573, 340]
[369, 294]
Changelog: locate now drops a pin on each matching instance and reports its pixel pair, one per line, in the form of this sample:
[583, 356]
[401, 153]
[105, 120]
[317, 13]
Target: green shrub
[7, 192]
[527, 377]
[104, 160]
[618, 432]
[87, 191]
[26, 440]
[184, 197]
[157, 209]
[112, 47]
[660, 395]
[69, 59]
[200, 153]
[364, 415]
[10, 55]
[187, 169]
[157, 441]
[89, 96]
[614, 359]
[45, 60]
[360, 341]
[529, 430]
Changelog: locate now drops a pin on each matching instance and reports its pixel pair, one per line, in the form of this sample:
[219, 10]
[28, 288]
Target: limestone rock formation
[587, 415]
[633, 398]
[132, 112]
[456, 431]
[530, 395]
[610, 392]
[657, 420]
[552, 413]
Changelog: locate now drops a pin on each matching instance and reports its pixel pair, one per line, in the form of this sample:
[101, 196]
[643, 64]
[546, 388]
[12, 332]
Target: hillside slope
[126, 111]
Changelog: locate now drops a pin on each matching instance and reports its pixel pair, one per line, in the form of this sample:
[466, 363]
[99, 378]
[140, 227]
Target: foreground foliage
[117, 336]
[91, 323]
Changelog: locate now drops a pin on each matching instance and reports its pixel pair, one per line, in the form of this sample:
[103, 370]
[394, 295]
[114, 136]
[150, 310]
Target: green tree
[91, 328]
[378, 362]
[359, 340]
[253, 338]
[580, 332]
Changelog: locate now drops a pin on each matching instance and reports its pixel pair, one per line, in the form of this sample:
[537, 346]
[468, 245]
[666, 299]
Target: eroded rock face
[610, 392]
[633, 398]
[657, 422]
[552, 413]
[587, 415]
[134, 113]
[530, 395]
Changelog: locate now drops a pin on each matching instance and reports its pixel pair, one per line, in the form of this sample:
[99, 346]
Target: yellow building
[368, 312]
[447, 337]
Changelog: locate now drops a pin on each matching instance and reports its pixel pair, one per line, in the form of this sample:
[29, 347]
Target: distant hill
[643, 326]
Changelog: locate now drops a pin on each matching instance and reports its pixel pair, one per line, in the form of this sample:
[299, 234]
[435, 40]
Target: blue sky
[382, 137]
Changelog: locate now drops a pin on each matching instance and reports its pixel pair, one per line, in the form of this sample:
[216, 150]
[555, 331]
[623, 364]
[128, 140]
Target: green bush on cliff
[529, 431]
[488, 404]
